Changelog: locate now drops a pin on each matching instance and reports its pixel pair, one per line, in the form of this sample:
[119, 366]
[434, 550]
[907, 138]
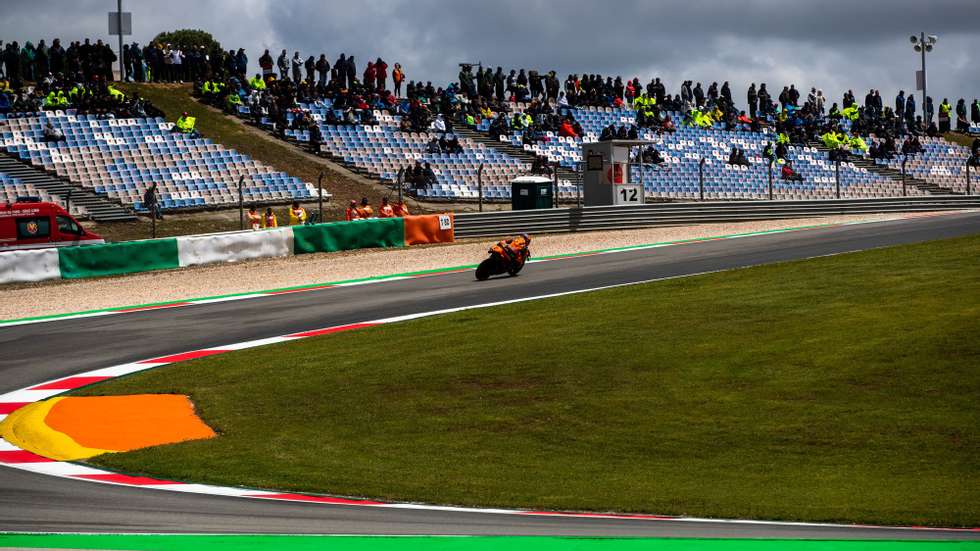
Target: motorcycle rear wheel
[484, 269]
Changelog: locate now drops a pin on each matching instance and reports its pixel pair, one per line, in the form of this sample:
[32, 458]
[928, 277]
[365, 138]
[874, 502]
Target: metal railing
[669, 214]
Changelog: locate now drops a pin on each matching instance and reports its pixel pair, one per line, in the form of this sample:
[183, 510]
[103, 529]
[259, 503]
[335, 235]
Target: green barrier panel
[118, 258]
[345, 236]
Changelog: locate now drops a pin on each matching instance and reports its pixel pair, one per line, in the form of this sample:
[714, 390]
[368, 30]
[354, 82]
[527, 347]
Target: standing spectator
[930, 110]
[269, 220]
[297, 214]
[297, 65]
[365, 211]
[254, 218]
[283, 64]
[351, 212]
[385, 210]
[350, 72]
[752, 97]
[962, 123]
[369, 76]
[381, 74]
[322, 69]
[177, 65]
[310, 67]
[398, 77]
[265, 63]
[975, 111]
[241, 64]
[150, 202]
[944, 111]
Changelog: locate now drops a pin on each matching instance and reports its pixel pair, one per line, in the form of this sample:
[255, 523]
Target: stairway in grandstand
[98, 208]
[892, 173]
[564, 173]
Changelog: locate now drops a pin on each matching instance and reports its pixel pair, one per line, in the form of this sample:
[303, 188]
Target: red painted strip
[183, 357]
[69, 383]
[21, 456]
[11, 407]
[125, 479]
[317, 499]
[154, 307]
[287, 291]
[597, 515]
[329, 330]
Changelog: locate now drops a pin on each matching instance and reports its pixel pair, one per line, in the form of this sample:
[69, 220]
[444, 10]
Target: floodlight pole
[701, 178]
[241, 204]
[479, 186]
[922, 41]
[319, 185]
[122, 55]
[770, 178]
[905, 190]
[967, 177]
[837, 174]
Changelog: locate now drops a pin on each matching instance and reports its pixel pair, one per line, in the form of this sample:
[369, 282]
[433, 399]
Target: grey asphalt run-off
[39, 352]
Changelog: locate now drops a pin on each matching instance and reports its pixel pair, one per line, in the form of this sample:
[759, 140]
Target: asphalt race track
[31, 502]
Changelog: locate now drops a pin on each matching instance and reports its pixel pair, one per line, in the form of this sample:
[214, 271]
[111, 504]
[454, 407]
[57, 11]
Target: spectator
[365, 211]
[944, 112]
[401, 209]
[150, 202]
[297, 65]
[52, 134]
[322, 69]
[283, 63]
[269, 220]
[385, 210]
[398, 76]
[265, 63]
[254, 218]
[297, 214]
[310, 66]
[381, 74]
[962, 123]
[788, 173]
[351, 213]
[428, 176]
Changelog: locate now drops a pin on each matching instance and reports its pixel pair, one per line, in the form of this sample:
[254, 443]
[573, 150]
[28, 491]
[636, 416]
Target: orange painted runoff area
[124, 423]
[420, 230]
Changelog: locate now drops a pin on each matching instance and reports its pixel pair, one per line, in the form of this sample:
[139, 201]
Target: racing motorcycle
[506, 257]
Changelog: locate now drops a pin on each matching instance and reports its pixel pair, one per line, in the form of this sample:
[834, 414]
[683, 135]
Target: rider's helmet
[526, 238]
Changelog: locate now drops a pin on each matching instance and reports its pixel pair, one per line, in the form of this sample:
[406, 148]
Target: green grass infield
[837, 389]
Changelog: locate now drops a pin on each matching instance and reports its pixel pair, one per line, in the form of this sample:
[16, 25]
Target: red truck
[29, 224]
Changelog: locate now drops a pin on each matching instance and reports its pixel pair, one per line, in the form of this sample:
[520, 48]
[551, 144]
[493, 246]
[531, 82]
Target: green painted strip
[452, 543]
[346, 236]
[118, 258]
[419, 273]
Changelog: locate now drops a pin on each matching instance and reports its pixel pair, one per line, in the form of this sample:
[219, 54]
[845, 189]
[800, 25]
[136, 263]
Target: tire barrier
[345, 236]
[165, 254]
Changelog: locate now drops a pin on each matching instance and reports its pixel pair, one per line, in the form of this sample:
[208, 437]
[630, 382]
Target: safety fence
[177, 252]
[670, 214]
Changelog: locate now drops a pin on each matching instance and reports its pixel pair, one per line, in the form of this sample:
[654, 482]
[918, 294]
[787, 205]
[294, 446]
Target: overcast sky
[830, 44]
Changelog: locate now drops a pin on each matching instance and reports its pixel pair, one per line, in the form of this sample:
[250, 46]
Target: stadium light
[922, 44]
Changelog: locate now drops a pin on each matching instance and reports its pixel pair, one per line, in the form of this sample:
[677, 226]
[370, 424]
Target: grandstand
[12, 187]
[121, 158]
[941, 163]
[682, 150]
[382, 150]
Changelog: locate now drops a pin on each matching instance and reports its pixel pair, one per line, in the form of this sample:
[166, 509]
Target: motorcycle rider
[514, 249]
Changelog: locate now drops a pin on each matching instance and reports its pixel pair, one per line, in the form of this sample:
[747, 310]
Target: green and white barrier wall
[195, 250]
